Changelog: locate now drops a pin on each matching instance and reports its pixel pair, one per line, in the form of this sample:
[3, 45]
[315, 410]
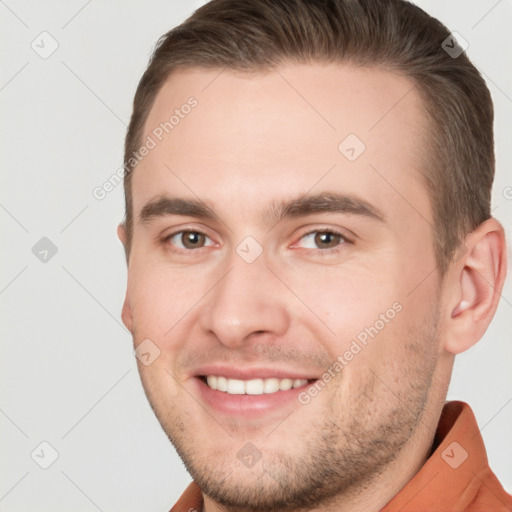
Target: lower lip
[248, 406]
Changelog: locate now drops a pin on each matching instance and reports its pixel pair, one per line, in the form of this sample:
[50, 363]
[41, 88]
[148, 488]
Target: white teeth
[285, 384]
[236, 387]
[212, 381]
[222, 384]
[253, 386]
[270, 385]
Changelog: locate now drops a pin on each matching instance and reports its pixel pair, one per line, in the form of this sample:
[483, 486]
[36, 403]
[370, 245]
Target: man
[309, 245]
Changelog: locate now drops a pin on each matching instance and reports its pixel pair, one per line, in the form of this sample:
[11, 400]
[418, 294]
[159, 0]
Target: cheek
[346, 302]
[369, 317]
[163, 299]
[407, 345]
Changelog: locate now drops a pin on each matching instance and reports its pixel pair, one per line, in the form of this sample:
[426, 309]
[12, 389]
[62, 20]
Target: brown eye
[323, 240]
[327, 239]
[192, 239]
[188, 240]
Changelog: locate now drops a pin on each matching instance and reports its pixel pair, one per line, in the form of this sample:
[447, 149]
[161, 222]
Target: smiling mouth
[252, 386]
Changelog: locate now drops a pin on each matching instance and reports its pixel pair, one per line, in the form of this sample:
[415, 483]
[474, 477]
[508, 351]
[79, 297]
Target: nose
[248, 300]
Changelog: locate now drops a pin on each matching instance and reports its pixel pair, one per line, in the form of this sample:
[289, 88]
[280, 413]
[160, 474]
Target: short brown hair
[257, 35]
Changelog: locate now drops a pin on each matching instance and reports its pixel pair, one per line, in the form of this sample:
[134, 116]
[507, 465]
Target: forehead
[283, 130]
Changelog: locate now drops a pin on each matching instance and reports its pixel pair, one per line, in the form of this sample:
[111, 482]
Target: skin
[254, 139]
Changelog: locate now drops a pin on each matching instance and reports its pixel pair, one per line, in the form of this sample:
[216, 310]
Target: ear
[121, 233]
[127, 315]
[476, 281]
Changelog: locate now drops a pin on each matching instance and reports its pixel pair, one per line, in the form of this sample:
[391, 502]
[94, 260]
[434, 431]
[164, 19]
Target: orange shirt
[455, 478]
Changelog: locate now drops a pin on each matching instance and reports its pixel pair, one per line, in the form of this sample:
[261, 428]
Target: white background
[68, 375]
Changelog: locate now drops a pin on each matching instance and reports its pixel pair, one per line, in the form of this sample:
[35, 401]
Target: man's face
[255, 297]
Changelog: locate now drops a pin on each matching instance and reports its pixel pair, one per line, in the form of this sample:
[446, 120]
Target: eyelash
[320, 252]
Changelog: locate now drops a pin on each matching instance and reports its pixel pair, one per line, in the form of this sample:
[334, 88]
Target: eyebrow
[326, 202]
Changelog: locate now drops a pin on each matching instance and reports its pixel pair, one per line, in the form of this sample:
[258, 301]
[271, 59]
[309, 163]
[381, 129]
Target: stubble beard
[340, 453]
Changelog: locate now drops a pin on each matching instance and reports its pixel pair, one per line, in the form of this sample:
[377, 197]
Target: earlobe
[121, 233]
[477, 285]
[123, 236]
[127, 315]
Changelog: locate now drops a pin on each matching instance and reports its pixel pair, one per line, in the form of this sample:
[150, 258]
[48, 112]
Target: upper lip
[238, 372]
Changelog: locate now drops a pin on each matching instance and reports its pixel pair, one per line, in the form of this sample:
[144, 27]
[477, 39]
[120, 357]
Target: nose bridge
[246, 300]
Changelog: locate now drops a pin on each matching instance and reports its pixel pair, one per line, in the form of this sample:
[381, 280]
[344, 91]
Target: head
[312, 203]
